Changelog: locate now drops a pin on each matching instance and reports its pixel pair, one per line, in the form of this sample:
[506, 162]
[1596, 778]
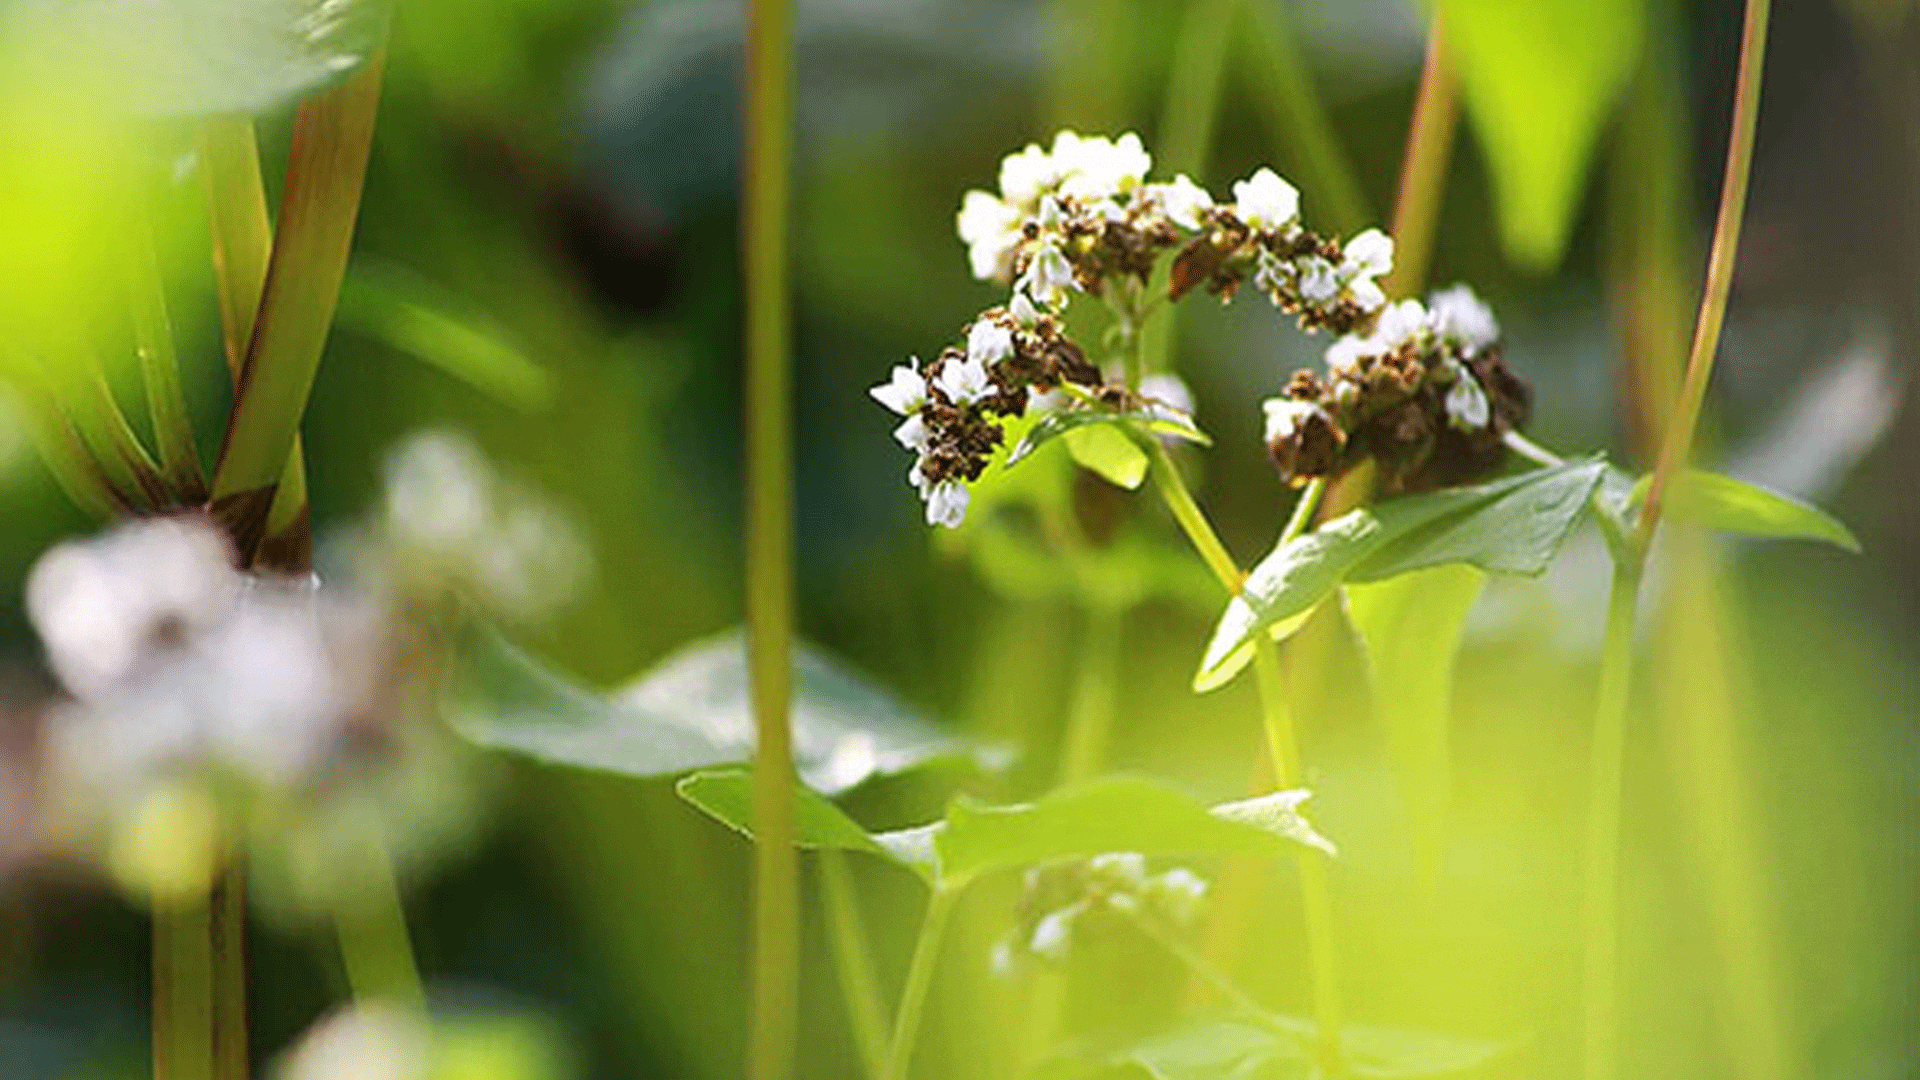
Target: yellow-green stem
[913, 996]
[227, 930]
[1096, 683]
[1600, 911]
[853, 963]
[1423, 172]
[1193, 521]
[1678, 441]
[769, 570]
[183, 991]
[371, 922]
[65, 455]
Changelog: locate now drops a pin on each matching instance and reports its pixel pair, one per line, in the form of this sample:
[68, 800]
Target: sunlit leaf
[1409, 628]
[726, 795]
[1724, 504]
[1520, 64]
[1513, 525]
[692, 711]
[1161, 421]
[201, 57]
[1109, 453]
[1283, 1046]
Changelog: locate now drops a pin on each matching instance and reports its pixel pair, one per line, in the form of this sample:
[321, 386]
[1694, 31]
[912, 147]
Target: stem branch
[913, 996]
[1600, 909]
[853, 962]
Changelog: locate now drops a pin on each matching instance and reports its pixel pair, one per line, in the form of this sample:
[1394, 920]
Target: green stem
[183, 991]
[1193, 521]
[1423, 174]
[326, 173]
[913, 996]
[853, 962]
[371, 923]
[160, 365]
[96, 416]
[1295, 109]
[1678, 442]
[73, 468]
[1601, 907]
[227, 926]
[1096, 684]
[769, 570]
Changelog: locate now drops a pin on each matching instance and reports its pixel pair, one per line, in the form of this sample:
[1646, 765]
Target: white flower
[912, 433]
[1461, 317]
[988, 342]
[1368, 255]
[947, 503]
[1343, 356]
[1467, 406]
[1126, 869]
[1367, 294]
[1317, 281]
[1167, 397]
[1026, 175]
[1399, 323]
[107, 607]
[1271, 273]
[1053, 935]
[1184, 202]
[917, 477]
[1284, 416]
[362, 1043]
[1040, 401]
[1022, 310]
[439, 493]
[1096, 168]
[905, 391]
[1180, 892]
[964, 381]
[1265, 202]
[991, 231]
[1048, 277]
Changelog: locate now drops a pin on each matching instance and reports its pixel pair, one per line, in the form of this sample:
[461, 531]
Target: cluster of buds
[1015, 358]
[1059, 897]
[1425, 394]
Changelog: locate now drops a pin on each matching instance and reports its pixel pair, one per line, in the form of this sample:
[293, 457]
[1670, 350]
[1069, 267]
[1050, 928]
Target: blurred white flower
[1119, 869]
[1368, 255]
[991, 231]
[1467, 405]
[1167, 396]
[964, 381]
[1178, 894]
[1184, 202]
[905, 389]
[1343, 356]
[1399, 324]
[1022, 310]
[912, 433]
[362, 1043]
[1026, 175]
[1265, 202]
[947, 503]
[1053, 935]
[1284, 416]
[108, 606]
[1094, 167]
[1318, 282]
[988, 342]
[1049, 276]
[1461, 317]
[439, 492]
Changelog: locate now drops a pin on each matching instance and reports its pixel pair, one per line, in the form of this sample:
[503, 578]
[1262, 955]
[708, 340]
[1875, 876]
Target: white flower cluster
[1116, 882]
[1454, 322]
[1270, 208]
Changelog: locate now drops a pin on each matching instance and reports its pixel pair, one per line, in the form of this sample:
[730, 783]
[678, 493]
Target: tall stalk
[853, 963]
[183, 990]
[1423, 172]
[913, 996]
[1601, 905]
[769, 571]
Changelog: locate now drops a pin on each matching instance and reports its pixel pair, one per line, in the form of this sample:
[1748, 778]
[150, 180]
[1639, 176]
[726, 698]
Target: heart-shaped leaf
[1724, 504]
[1514, 525]
[691, 711]
[1100, 816]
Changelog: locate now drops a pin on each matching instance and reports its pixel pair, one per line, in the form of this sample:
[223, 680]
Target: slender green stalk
[853, 962]
[242, 235]
[89, 402]
[1096, 686]
[1601, 908]
[769, 571]
[183, 991]
[1423, 173]
[1193, 521]
[65, 455]
[1678, 442]
[1294, 108]
[227, 934]
[326, 173]
[372, 927]
[913, 996]
[1204, 969]
[160, 365]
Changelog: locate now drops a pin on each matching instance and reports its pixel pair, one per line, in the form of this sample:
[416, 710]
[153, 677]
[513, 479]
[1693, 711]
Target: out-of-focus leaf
[200, 57]
[1283, 1046]
[1409, 628]
[690, 712]
[1724, 504]
[1116, 814]
[1539, 80]
[726, 795]
[1513, 526]
[1146, 422]
[1108, 452]
[405, 313]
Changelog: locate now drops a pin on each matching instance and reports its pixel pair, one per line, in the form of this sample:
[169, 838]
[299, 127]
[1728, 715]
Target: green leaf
[1724, 504]
[205, 57]
[726, 795]
[1513, 525]
[1283, 1046]
[1539, 80]
[1409, 628]
[691, 711]
[408, 314]
[1104, 440]
[1115, 814]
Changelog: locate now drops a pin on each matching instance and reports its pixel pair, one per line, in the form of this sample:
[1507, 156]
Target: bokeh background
[558, 178]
